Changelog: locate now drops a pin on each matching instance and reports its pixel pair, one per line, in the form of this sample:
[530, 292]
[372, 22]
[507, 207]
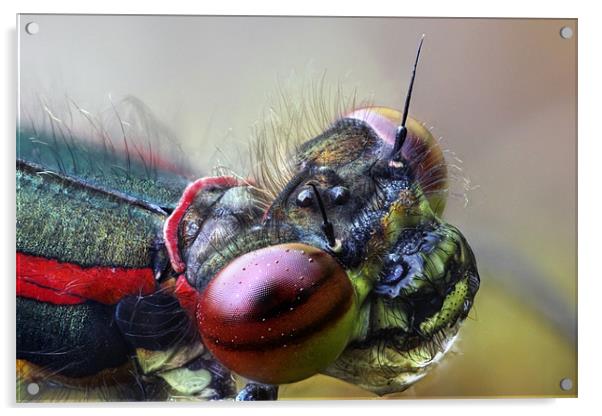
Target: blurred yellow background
[501, 92]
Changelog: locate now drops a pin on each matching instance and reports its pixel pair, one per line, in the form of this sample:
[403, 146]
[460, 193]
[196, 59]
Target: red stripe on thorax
[57, 282]
[33, 291]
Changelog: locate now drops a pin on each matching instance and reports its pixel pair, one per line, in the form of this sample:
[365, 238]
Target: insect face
[349, 270]
[349, 261]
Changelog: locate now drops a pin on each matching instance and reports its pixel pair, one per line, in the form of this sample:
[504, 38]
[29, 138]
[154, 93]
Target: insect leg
[256, 392]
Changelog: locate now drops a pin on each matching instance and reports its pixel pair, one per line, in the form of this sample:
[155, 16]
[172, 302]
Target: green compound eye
[278, 314]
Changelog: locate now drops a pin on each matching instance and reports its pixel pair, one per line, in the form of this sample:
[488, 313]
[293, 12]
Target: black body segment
[71, 340]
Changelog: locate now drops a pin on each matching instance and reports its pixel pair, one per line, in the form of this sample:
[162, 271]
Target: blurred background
[500, 92]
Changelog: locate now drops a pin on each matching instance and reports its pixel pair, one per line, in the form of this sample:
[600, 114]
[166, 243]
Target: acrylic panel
[276, 208]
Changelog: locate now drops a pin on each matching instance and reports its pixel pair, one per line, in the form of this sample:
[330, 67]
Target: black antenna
[402, 131]
[326, 225]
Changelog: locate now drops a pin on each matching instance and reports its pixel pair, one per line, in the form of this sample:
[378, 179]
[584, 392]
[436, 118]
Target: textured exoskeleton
[136, 281]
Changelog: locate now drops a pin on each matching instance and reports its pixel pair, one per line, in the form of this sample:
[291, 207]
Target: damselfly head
[345, 271]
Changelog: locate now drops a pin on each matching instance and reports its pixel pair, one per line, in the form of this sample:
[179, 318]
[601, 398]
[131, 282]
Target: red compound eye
[278, 314]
